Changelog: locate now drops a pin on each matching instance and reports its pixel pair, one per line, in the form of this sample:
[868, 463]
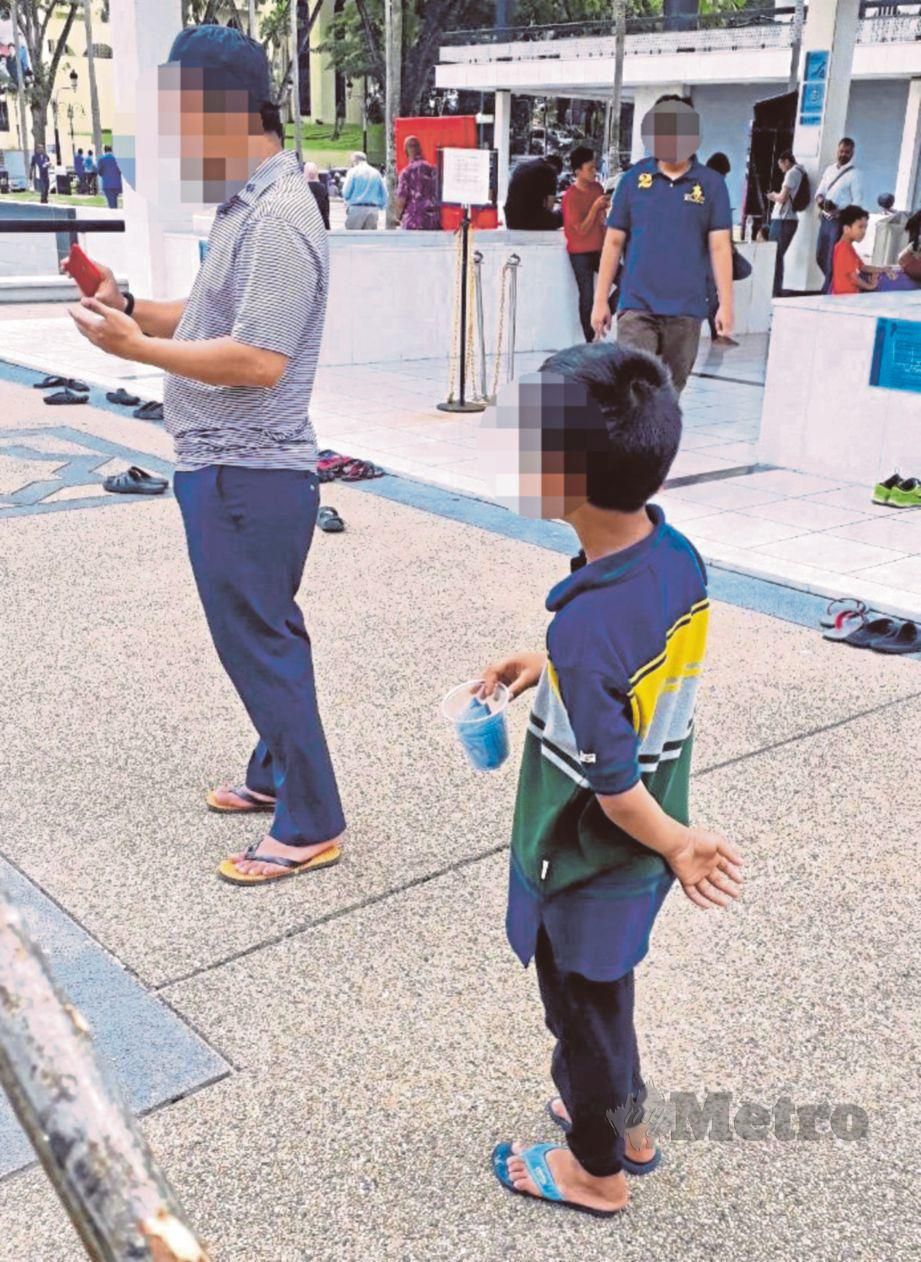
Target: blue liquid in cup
[484, 736]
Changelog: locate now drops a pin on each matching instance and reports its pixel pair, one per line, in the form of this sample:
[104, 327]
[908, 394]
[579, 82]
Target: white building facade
[874, 92]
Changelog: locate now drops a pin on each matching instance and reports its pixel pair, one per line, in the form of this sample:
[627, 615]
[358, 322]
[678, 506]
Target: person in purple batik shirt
[417, 193]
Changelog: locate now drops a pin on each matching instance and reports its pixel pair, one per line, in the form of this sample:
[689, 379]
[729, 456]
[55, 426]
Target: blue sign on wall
[816, 66]
[896, 361]
[814, 82]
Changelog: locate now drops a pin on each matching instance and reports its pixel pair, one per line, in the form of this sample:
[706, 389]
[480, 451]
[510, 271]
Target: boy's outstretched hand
[708, 867]
[518, 673]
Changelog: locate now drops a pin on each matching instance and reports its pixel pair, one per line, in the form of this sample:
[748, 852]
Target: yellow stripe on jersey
[681, 659]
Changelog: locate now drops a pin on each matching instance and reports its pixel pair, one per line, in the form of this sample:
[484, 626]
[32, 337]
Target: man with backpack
[841, 185]
[792, 198]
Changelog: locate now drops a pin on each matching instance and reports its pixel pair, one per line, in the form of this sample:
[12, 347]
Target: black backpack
[803, 195]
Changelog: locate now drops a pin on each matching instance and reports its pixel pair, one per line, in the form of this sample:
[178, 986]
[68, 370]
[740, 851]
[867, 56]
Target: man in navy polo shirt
[672, 214]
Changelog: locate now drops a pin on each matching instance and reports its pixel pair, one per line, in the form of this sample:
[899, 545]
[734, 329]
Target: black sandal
[63, 397]
[67, 383]
[135, 481]
[151, 411]
[329, 521]
[122, 397]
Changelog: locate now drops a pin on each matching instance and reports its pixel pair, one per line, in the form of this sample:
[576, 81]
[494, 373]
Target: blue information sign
[816, 66]
[814, 80]
[897, 355]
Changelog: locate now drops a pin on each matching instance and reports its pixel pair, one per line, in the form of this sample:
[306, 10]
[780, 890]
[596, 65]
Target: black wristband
[129, 302]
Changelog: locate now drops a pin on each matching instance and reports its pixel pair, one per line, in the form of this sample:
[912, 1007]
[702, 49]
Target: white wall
[875, 118]
[725, 115]
[406, 284]
[821, 415]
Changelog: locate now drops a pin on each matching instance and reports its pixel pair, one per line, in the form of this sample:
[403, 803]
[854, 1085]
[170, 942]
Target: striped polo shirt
[615, 707]
[263, 282]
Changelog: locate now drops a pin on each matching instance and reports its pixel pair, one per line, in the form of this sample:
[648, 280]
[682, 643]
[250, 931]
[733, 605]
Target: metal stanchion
[464, 341]
[513, 264]
[480, 321]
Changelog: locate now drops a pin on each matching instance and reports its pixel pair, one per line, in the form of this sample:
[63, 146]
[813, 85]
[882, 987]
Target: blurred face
[214, 133]
[671, 131]
[587, 172]
[524, 434]
[845, 153]
[784, 165]
[859, 229]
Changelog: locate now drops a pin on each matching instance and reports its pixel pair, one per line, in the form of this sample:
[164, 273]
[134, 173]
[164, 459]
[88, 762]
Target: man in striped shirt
[240, 355]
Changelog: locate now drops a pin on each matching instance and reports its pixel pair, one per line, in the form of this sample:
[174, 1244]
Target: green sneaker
[907, 494]
[882, 492]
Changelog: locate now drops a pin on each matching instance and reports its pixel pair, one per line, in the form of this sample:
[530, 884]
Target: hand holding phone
[84, 271]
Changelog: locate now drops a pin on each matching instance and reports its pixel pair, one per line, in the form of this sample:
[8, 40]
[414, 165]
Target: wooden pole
[393, 55]
[90, 1146]
[296, 85]
[21, 90]
[620, 38]
[796, 45]
[91, 71]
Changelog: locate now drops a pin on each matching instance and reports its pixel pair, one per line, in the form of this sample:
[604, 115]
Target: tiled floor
[807, 532]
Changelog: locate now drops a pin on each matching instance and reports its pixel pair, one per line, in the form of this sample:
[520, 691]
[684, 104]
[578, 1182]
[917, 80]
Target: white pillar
[644, 98]
[502, 141]
[831, 27]
[908, 183]
[142, 34]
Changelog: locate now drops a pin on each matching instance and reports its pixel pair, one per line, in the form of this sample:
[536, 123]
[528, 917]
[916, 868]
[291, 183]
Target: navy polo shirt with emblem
[668, 224]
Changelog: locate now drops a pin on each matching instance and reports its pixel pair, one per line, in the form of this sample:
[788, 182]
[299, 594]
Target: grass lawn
[59, 199]
[320, 146]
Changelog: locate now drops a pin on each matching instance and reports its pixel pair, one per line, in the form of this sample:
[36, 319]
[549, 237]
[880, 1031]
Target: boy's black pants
[596, 1062]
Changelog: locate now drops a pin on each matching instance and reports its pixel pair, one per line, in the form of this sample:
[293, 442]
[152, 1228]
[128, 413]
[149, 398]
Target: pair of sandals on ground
[849, 621]
[70, 390]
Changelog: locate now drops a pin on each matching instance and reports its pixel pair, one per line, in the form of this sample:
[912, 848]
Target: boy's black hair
[271, 119]
[628, 461]
[554, 160]
[852, 214]
[580, 155]
[847, 140]
[673, 96]
[787, 156]
[720, 163]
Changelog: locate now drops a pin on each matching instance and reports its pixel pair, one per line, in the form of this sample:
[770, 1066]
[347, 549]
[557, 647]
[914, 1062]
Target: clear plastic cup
[480, 725]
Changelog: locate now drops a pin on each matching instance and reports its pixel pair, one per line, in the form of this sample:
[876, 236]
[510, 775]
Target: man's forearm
[721, 261]
[642, 818]
[607, 269]
[221, 361]
[158, 319]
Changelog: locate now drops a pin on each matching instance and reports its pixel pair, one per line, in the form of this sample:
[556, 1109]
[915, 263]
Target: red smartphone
[85, 273]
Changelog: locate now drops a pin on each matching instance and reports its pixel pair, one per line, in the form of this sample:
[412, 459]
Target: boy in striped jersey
[601, 821]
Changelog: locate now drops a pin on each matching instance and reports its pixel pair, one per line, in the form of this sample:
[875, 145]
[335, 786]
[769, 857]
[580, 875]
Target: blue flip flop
[535, 1160]
[631, 1167]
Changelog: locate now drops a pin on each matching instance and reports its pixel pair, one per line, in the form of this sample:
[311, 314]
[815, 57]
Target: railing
[653, 25]
[881, 22]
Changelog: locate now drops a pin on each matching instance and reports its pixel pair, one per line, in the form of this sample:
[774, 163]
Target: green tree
[45, 53]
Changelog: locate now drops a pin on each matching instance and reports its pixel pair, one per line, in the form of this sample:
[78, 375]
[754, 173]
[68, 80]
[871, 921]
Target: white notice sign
[465, 176]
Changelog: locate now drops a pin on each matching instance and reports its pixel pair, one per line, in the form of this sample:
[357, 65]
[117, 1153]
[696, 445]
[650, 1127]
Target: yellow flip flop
[253, 804]
[229, 872]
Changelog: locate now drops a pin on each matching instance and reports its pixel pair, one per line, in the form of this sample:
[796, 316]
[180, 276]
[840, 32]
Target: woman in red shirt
[585, 208]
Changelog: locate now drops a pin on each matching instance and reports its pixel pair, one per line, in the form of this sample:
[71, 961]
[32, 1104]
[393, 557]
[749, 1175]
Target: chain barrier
[506, 324]
[508, 304]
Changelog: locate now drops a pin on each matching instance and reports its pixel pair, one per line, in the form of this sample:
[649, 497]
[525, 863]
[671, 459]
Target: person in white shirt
[841, 185]
[784, 219]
